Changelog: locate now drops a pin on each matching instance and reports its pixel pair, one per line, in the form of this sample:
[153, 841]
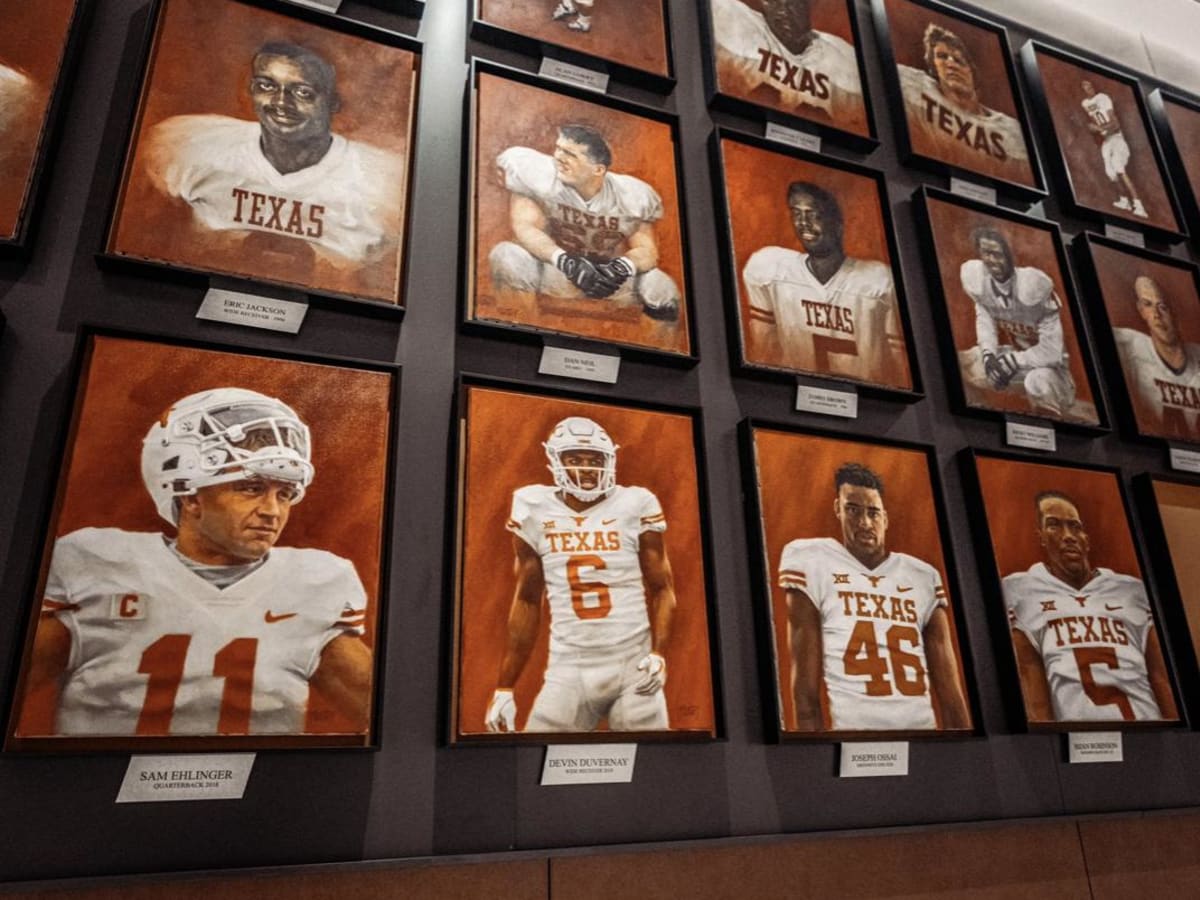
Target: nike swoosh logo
[903, 590]
[607, 521]
[270, 618]
[1112, 608]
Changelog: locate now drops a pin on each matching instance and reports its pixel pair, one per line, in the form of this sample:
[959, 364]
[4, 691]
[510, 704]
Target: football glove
[1000, 368]
[615, 271]
[586, 275]
[654, 674]
[502, 711]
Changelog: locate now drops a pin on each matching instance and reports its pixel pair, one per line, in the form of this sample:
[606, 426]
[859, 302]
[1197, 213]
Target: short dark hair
[857, 475]
[1051, 495]
[593, 141]
[323, 71]
[991, 233]
[936, 34]
[831, 210]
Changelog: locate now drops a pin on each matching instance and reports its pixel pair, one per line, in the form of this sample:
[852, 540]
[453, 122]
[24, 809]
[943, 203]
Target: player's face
[816, 233]
[1063, 538]
[1156, 312]
[289, 100]
[995, 259]
[575, 166]
[788, 19]
[584, 467]
[1089, 89]
[238, 522]
[953, 70]
[864, 520]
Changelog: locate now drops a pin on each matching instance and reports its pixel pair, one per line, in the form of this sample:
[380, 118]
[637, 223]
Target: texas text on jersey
[1169, 398]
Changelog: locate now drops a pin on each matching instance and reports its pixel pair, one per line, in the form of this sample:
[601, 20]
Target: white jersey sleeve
[15, 92]
[528, 172]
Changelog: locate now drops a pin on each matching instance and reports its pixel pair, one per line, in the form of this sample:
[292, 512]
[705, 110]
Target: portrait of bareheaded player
[192, 587]
[1154, 311]
[1015, 336]
[630, 32]
[1083, 631]
[795, 56]
[577, 219]
[269, 148]
[960, 102]
[817, 289]
[863, 624]
[1105, 143]
[602, 624]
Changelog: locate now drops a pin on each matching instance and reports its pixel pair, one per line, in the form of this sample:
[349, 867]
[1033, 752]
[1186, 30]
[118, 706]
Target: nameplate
[1031, 437]
[973, 191]
[576, 364]
[330, 6]
[826, 401]
[874, 759]
[793, 138]
[589, 764]
[251, 310]
[1185, 460]
[201, 777]
[576, 75]
[1125, 235]
[1095, 747]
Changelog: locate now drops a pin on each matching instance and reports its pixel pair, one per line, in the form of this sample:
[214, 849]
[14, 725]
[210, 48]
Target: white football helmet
[219, 436]
[578, 433]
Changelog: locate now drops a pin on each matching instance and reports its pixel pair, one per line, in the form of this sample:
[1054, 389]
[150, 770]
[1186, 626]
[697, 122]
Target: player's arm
[1156, 671]
[804, 642]
[659, 584]
[1048, 351]
[643, 248]
[761, 332]
[342, 680]
[524, 620]
[47, 666]
[944, 683]
[895, 360]
[1034, 687]
[529, 227]
[986, 335]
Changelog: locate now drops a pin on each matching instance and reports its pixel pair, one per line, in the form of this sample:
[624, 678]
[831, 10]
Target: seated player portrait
[775, 53]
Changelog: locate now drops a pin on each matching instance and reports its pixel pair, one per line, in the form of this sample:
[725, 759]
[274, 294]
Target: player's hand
[1000, 368]
[614, 272]
[584, 274]
[654, 674]
[502, 711]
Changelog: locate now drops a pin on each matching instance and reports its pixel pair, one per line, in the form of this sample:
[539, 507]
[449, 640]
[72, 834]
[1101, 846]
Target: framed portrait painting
[582, 599]
[1107, 157]
[862, 618]
[791, 61]
[1177, 121]
[37, 44]
[575, 217]
[1014, 340]
[627, 39]
[1152, 305]
[273, 144]
[955, 98]
[811, 259]
[1069, 590]
[212, 569]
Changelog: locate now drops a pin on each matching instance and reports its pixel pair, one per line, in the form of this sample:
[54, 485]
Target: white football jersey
[590, 563]
[824, 76]
[1171, 398]
[989, 135]
[1099, 108]
[347, 206]
[596, 227]
[156, 649]
[865, 613]
[1091, 640]
[15, 89]
[1024, 313]
[849, 326]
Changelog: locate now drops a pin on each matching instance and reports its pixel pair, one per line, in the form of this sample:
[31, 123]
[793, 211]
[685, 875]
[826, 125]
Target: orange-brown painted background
[1117, 272]
[1185, 128]
[795, 490]
[631, 32]
[1179, 509]
[1031, 246]
[201, 65]
[511, 114]
[1081, 149]
[756, 185]
[504, 434]
[33, 38]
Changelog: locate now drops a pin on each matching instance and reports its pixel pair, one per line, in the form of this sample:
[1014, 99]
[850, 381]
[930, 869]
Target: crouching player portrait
[597, 624]
[208, 627]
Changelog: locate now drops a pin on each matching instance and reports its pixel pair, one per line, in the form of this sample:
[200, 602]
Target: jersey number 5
[862, 657]
[589, 599]
[1102, 695]
[163, 662]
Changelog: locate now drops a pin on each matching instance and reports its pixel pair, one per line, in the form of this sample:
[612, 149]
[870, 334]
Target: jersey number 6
[600, 604]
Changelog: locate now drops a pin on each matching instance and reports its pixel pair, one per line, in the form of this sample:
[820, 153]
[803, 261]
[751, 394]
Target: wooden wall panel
[1143, 856]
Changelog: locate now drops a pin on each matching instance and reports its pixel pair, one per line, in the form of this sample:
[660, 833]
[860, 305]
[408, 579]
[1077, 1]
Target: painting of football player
[856, 609]
[1102, 121]
[209, 628]
[818, 310]
[594, 549]
[576, 15]
[580, 231]
[776, 56]
[1086, 645]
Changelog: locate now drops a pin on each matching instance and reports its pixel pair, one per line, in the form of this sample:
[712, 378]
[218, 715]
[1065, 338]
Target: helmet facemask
[580, 434]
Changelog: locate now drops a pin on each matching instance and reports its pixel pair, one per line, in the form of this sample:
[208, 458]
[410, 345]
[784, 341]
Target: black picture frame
[1067, 193]
[38, 564]
[469, 278]
[1173, 151]
[457, 496]
[732, 282]
[953, 373]
[203, 277]
[1027, 194]
[763, 590]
